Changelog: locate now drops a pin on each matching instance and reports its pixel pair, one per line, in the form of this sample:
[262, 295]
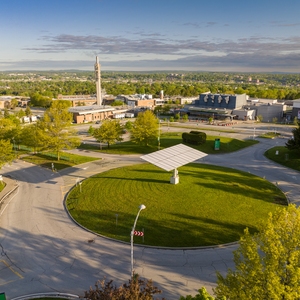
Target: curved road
[42, 250]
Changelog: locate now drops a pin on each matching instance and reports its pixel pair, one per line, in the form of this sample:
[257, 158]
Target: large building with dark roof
[219, 106]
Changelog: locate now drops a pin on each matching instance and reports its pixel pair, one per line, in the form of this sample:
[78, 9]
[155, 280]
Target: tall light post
[142, 206]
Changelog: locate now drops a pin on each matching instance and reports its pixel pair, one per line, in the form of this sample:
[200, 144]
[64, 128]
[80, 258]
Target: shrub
[194, 137]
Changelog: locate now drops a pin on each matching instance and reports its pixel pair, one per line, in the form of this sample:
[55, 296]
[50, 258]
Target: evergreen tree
[294, 143]
[28, 111]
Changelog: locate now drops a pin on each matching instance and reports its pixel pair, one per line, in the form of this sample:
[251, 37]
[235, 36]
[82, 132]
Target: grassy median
[49, 160]
[211, 205]
[285, 157]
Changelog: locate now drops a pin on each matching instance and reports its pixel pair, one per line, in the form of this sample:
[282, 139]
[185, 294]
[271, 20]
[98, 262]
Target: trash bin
[217, 144]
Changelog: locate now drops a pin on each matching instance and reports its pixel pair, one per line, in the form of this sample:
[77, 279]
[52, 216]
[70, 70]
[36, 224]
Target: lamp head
[142, 206]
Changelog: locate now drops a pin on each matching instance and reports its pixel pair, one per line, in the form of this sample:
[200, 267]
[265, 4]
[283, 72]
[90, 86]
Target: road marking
[15, 272]
[7, 282]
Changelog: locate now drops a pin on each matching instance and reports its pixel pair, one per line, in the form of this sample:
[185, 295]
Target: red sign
[139, 233]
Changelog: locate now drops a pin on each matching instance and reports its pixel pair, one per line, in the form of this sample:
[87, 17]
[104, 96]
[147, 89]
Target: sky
[151, 35]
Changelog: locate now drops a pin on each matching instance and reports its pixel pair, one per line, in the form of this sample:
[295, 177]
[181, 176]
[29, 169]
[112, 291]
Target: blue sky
[142, 35]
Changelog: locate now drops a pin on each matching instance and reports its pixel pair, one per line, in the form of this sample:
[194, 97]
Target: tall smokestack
[161, 94]
[98, 82]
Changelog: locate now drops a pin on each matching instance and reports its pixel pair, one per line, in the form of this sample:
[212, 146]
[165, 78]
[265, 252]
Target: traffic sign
[138, 233]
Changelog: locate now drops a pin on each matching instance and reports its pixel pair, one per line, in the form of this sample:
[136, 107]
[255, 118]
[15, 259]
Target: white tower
[98, 82]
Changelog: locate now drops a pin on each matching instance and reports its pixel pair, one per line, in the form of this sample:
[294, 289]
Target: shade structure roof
[173, 157]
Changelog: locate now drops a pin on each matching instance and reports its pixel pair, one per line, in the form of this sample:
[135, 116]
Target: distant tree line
[274, 86]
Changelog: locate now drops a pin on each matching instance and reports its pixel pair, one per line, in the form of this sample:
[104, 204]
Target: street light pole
[142, 206]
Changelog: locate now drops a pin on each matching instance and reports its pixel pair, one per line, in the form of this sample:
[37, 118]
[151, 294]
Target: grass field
[66, 160]
[211, 205]
[2, 186]
[285, 157]
[170, 139]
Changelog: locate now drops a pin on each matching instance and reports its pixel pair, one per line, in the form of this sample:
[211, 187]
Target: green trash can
[217, 144]
[2, 296]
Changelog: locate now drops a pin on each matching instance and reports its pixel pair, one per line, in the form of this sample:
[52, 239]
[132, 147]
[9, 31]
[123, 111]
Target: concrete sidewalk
[10, 187]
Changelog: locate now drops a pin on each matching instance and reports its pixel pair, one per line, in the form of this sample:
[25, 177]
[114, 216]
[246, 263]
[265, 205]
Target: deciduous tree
[57, 133]
[109, 132]
[267, 264]
[136, 289]
[33, 136]
[145, 128]
[202, 295]
[6, 152]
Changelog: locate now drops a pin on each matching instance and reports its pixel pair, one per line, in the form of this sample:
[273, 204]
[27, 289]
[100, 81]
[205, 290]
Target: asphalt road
[43, 250]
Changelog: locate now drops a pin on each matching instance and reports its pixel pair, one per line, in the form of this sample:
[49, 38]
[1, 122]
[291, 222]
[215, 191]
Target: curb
[11, 188]
[49, 295]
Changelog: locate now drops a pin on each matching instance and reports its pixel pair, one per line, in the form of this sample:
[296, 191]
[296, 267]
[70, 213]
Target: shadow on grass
[211, 205]
[185, 231]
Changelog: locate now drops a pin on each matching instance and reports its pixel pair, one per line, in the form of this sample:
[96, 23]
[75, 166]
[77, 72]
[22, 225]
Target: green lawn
[170, 139]
[270, 135]
[211, 205]
[285, 157]
[2, 186]
[198, 126]
[66, 160]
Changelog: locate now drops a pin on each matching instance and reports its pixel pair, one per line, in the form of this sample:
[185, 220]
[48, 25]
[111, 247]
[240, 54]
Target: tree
[33, 136]
[55, 125]
[7, 154]
[128, 125]
[13, 103]
[91, 130]
[294, 142]
[145, 128]
[20, 114]
[177, 116]
[6, 113]
[259, 118]
[117, 103]
[109, 132]
[203, 295]
[135, 289]
[267, 264]
[10, 129]
[185, 117]
[38, 100]
[28, 111]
